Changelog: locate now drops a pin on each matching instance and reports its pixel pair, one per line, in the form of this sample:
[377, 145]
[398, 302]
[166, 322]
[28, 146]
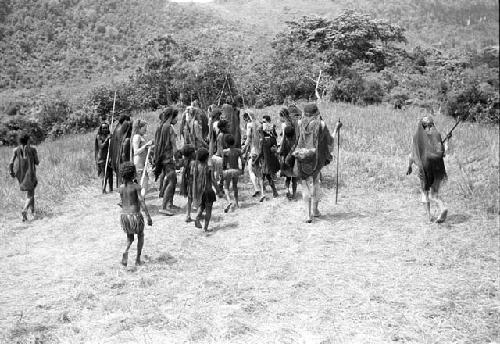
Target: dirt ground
[370, 270]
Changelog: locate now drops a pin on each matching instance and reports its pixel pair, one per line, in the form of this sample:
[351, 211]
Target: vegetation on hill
[155, 53]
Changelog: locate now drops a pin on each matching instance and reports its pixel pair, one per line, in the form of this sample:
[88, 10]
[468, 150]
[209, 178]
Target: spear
[448, 136]
[105, 181]
[339, 125]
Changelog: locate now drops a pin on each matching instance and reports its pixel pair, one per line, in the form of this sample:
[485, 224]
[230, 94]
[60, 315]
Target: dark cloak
[427, 154]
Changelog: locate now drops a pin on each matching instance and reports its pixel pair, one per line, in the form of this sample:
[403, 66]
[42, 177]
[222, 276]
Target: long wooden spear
[338, 159]
[105, 181]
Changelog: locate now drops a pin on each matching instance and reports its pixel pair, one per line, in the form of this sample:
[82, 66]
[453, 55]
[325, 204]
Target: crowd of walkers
[216, 151]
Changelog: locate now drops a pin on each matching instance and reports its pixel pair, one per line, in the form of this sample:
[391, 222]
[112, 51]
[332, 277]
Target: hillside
[49, 42]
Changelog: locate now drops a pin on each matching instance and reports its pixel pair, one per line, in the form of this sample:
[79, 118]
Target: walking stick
[105, 181]
[339, 124]
[143, 189]
[448, 136]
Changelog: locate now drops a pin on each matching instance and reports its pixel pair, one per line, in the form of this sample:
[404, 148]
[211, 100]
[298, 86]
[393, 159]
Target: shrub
[372, 92]
[474, 104]
[11, 127]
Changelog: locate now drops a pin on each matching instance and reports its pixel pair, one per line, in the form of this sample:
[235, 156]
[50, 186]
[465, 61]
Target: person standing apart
[427, 153]
[22, 166]
[101, 156]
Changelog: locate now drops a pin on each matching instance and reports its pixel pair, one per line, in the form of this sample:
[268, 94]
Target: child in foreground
[203, 184]
[131, 218]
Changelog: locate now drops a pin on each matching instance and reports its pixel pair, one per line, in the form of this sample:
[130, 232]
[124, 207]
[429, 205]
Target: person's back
[129, 195]
[232, 158]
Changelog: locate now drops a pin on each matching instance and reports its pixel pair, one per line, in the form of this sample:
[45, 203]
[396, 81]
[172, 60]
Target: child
[189, 155]
[268, 159]
[288, 161]
[233, 166]
[202, 180]
[131, 218]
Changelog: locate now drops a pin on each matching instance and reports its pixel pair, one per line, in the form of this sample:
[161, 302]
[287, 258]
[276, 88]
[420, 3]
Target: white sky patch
[192, 1]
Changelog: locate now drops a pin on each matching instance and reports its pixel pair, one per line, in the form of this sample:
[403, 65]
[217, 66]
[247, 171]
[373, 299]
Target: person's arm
[198, 133]
[173, 140]
[214, 181]
[35, 153]
[136, 141]
[11, 164]
[142, 201]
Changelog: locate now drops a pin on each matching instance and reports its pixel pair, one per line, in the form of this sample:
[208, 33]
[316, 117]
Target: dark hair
[289, 131]
[266, 118]
[222, 125]
[24, 139]
[284, 112]
[230, 140]
[202, 155]
[123, 118]
[187, 150]
[127, 171]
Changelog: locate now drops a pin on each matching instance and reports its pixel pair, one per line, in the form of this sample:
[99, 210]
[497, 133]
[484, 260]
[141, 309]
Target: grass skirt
[132, 223]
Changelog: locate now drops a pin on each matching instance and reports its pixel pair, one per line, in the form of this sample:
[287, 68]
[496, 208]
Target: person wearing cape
[427, 153]
[164, 162]
[313, 153]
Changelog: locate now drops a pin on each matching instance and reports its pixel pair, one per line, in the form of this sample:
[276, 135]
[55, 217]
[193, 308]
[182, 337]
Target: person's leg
[189, 208]
[161, 178]
[287, 186]
[227, 182]
[306, 195]
[130, 240]
[140, 244]
[316, 195]
[197, 222]
[271, 184]
[260, 182]
[208, 216]
[427, 204]
[253, 178]
[168, 196]
[110, 178]
[434, 196]
[235, 191]
[294, 186]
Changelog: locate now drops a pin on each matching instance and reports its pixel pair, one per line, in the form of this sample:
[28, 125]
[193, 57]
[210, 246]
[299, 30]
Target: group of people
[215, 153]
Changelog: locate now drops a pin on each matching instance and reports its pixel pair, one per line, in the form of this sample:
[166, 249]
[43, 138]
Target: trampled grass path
[369, 271]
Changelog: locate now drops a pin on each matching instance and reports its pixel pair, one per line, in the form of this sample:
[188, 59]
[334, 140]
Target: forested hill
[51, 42]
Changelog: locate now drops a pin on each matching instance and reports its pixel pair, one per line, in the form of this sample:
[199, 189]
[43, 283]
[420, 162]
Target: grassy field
[371, 270]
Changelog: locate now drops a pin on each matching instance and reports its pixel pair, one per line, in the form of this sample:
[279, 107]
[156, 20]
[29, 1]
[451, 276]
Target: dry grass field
[370, 270]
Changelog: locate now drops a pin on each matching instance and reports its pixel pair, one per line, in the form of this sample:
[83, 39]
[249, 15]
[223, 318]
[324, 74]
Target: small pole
[105, 181]
[338, 159]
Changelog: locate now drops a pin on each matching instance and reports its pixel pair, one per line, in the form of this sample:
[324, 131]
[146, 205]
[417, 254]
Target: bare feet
[309, 221]
[256, 193]
[442, 216]
[124, 258]
[139, 262]
[197, 223]
[188, 219]
[166, 212]
[317, 213]
[262, 199]
[228, 206]
[24, 213]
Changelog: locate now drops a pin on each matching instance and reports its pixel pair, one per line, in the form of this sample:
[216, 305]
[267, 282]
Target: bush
[11, 127]
[372, 92]
[473, 104]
